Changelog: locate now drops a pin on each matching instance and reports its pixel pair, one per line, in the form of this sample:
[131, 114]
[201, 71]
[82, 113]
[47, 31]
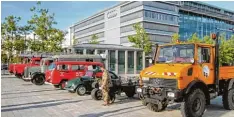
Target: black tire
[144, 103]
[96, 94]
[39, 79]
[155, 107]
[164, 106]
[56, 86]
[228, 99]
[194, 104]
[112, 97]
[95, 85]
[81, 90]
[62, 85]
[130, 94]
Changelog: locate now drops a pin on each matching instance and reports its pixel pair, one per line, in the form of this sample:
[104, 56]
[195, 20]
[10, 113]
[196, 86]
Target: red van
[62, 71]
[11, 66]
[19, 68]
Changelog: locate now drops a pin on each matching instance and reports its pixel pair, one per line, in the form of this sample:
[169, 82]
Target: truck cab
[187, 73]
[19, 68]
[11, 66]
[61, 72]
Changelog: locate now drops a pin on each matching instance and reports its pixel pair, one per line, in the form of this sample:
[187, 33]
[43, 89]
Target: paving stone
[23, 99]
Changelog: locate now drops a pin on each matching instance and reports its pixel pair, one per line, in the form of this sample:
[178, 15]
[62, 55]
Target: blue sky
[67, 13]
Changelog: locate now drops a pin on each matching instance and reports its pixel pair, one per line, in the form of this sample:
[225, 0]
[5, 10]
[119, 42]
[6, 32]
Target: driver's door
[206, 64]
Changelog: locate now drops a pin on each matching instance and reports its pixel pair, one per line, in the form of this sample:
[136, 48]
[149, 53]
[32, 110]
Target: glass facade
[112, 60]
[130, 62]
[139, 62]
[121, 62]
[191, 23]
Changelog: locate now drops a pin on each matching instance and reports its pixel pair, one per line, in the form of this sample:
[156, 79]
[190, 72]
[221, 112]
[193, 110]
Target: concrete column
[143, 60]
[84, 51]
[96, 51]
[126, 62]
[107, 60]
[135, 62]
[116, 62]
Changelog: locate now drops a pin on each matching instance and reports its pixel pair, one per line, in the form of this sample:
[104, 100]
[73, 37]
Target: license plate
[139, 90]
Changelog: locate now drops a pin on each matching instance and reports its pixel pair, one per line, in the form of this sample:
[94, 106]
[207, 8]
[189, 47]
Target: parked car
[4, 67]
[36, 74]
[62, 71]
[119, 86]
[86, 83]
[19, 68]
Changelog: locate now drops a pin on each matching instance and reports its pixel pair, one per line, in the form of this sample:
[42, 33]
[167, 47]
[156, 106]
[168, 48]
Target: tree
[175, 38]
[94, 39]
[19, 45]
[140, 39]
[42, 23]
[9, 33]
[194, 39]
[35, 46]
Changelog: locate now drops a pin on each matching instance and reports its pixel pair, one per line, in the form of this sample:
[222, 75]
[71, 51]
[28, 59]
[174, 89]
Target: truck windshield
[183, 53]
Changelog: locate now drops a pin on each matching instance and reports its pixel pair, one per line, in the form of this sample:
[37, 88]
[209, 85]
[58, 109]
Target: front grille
[161, 82]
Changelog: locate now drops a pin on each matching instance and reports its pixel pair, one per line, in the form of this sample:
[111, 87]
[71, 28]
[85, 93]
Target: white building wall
[112, 26]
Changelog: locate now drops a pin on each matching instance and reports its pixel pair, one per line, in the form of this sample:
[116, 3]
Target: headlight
[139, 90]
[145, 78]
[171, 94]
[73, 85]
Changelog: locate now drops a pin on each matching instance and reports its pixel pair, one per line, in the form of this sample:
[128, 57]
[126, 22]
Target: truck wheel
[194, 104]
[39, 79]
[155, 107]
[130, 94]
[228, 99]
[81, 90]
[62, 85]
[56, 86]
[144, 103]
[96, 94]
[112, 97]
[95, 85]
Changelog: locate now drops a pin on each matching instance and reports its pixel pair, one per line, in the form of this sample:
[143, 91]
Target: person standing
[105, 86]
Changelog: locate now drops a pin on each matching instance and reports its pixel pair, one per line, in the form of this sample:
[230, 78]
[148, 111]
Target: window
[37, 62]
[132, 16]
[130, 6]
[112, 75]
[76, 67]
[203, 55]
[62, 67]
[90, 29]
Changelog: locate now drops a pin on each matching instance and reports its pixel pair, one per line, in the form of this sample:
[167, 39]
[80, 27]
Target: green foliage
[140, 39]
[35, 46]
[3, 57]
[194, 39]
[175, 37]
[94, 39]
[19, 45]
[42, 25]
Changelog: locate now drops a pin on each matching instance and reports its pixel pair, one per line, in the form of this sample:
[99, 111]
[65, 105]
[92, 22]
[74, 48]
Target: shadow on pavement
[33, 103]
[29, 91]
[41, 105]
[114, 111]
[9, 97]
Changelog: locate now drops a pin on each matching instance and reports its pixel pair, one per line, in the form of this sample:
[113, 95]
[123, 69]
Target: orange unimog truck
[189, 73]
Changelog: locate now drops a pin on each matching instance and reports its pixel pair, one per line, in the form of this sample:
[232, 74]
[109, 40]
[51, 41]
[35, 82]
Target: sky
[68, 13]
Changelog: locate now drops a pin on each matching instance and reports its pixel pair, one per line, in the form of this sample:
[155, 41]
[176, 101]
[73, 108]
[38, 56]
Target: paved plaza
[23, 99]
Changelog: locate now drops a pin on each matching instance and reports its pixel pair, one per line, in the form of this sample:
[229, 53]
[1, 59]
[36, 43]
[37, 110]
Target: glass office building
[203, 19]
[159, 19]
